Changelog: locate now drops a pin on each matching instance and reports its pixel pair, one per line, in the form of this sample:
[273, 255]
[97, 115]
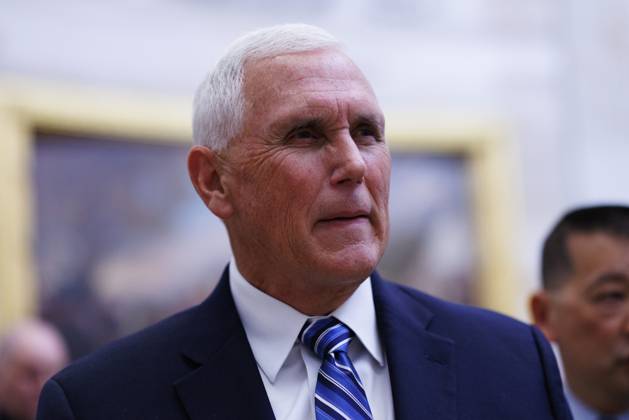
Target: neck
[310, 301]
[310, 296]
[598, 398]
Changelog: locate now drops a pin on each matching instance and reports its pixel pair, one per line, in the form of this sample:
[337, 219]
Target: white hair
[219, 103]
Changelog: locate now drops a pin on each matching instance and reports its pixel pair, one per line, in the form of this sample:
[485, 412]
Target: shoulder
[163, 344]
[136, 352]
[473, 330]
[440, 313]
[134, 377]
[122, 377]
[509, 357]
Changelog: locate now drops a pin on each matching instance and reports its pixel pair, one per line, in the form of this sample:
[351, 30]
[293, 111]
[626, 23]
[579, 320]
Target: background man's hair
[219, 103]
[556, 263]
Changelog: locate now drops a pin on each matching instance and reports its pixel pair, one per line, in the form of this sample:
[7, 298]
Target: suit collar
[225, 381]
[421, 364]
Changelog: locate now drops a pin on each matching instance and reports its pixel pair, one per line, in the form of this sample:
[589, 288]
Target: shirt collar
[271, 341]
[271, 325]
[359, 313]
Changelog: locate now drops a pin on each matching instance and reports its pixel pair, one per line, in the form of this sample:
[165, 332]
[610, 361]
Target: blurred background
[547, 79]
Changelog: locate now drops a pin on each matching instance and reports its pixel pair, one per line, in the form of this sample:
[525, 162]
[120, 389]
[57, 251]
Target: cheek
[605, 329]
[284, 192]
[583, 325]
[378, 177]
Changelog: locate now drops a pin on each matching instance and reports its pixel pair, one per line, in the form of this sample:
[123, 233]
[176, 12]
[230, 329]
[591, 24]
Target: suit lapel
[225, 382]
[421, 364]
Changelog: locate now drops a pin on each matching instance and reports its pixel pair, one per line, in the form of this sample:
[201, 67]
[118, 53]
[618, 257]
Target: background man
[584, 307]
[30, 353]
[291, 154]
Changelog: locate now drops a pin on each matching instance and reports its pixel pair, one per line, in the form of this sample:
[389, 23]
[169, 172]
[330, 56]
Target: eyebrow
[373, 119]
[615, 277]
[289, 123]
[296, 121]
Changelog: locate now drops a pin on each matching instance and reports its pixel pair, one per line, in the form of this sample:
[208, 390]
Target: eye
[610, 302]
[612, 296]
[367, 134]
[304, 134]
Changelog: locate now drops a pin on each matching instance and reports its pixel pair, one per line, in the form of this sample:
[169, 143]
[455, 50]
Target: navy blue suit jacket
[446, 361]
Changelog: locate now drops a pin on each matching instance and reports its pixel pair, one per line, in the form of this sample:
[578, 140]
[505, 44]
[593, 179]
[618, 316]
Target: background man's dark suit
[445, 361]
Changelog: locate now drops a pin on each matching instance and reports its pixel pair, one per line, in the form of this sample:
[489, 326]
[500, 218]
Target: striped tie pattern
[339, 393]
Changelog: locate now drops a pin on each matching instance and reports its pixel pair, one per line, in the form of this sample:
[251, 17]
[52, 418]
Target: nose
[348, 162]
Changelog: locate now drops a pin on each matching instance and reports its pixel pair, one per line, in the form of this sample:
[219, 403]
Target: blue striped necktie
[339, 393]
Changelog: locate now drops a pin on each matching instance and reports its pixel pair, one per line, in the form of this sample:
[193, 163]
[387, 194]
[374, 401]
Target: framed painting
[100, 219]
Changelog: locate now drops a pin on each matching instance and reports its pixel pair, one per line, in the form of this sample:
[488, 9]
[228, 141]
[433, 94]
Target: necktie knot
[325, 336]
[339, 394]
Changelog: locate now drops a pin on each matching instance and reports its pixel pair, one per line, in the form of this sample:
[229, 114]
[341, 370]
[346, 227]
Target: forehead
[598, 253]
[325, 80]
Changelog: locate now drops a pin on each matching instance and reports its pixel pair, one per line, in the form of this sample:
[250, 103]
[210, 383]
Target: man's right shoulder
[136, 352]
[137, 376]
[122, 378]
[159, 349]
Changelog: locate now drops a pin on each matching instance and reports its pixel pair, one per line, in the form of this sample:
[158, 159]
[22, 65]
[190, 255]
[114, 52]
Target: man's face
[308, 178]
[589, 317]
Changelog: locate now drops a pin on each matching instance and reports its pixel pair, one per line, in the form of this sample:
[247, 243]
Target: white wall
[554, 73]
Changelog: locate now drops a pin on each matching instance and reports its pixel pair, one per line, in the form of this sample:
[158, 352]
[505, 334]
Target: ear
[206, 174]
[540, 306]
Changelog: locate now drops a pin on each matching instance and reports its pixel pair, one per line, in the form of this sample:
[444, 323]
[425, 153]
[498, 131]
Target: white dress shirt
[288, 369]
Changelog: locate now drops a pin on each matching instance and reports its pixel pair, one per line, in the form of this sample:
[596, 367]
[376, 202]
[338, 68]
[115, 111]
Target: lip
[345, 215]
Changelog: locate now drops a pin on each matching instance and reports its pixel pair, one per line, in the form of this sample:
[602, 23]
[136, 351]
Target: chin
[351, 266]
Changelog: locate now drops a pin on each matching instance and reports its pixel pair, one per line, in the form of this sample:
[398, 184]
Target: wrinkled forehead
[324, 71]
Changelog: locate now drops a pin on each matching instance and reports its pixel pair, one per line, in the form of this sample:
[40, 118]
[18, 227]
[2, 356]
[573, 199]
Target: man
[584, 308]
[291, 155]
[30, 353]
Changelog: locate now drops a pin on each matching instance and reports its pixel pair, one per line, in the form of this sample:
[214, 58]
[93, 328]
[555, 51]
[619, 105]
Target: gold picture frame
[27, 106]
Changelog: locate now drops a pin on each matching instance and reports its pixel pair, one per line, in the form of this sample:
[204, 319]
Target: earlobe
[206, 174]
[539, 305]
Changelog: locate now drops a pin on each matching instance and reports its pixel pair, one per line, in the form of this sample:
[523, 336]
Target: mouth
[344, 217]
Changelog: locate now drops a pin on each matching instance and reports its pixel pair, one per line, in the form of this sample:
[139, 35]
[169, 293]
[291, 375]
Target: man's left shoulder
[463, 324]
[512, 359]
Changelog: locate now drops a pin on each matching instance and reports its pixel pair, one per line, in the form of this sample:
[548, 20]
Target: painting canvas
[432, 243]
[122, 240]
